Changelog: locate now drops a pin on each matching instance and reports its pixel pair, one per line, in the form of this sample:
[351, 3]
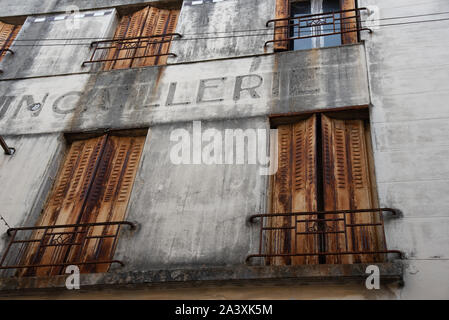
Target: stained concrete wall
[217, 30]
[26, 178]
[408, 73]
[194, 214]
[40, 48]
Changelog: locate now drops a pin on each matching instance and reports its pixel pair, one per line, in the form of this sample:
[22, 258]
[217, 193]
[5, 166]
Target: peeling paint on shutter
[347, 185]
[109, 197]
[295, 191]
[282, 11]
[171, 23]
[119, 34]
[349, 24]
[279, 240]
[8, 32]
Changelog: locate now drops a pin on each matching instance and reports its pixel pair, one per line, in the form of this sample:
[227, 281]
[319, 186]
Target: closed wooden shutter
[8, 33]
[282, 30]
[94, 185]
[295, 190]
[110, 195]
[349, 24]
[347, 185]
[147, 22]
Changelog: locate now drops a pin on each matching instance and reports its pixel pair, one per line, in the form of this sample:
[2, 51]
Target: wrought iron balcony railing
[317, 25]
[343, 236]
[131, 49]
[46, 250]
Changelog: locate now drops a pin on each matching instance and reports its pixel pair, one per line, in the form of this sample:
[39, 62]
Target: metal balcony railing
[322, 234]
[131, 48]
[317, 25]
[53, 247]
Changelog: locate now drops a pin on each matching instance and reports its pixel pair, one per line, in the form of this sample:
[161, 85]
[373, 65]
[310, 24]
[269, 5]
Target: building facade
[224, 148]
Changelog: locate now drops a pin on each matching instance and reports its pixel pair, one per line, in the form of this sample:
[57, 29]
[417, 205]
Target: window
[305, 24]
[144, 39]
[93, 187]
[8, 32]
[323, 199]
[311, 7]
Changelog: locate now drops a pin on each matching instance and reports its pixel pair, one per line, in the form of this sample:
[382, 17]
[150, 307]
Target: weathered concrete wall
[194, 214]
[26, 178]
[408, 80]
[225, 89]
[56, 56]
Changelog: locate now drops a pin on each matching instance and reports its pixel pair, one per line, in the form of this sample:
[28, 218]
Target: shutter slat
[347, 185]
[279, 240]
[304, 189]
[282, 11]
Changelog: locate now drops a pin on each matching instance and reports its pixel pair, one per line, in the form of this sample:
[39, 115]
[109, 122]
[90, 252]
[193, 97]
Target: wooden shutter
[347, 185]
[110, 195]
[281, 30]
[135, 23]
[350, 23]
[8, 33]
[94, 185]
[295, 190]
[147, 22]
[67, 200]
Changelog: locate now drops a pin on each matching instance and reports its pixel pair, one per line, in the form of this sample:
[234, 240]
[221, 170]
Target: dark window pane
[299, 9]
[334, 40]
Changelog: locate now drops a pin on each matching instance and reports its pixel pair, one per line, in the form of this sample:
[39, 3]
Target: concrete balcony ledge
[391, 272]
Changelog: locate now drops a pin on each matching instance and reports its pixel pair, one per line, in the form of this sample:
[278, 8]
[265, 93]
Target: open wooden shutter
[295, 190]
[347, 185]
[109, 197]
[66, 201]
[349, 24]
[281, 27]
[8, 33]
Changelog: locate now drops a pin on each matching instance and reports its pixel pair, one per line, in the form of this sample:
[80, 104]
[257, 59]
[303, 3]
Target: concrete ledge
[306, 274]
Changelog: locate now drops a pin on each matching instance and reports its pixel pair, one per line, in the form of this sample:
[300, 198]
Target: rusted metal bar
[131, 43]
[320, 227]
[335, 19]
[248, 258]
[8, 150]
[394, 212]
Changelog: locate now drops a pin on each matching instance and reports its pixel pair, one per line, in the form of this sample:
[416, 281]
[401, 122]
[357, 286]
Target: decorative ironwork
[148, 47]
[317, 25]
[61, 245]
[341, 224]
